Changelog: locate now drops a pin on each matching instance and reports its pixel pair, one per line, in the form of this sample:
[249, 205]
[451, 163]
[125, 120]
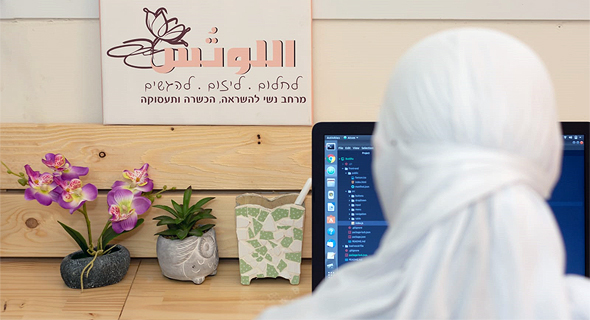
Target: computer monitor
[347, 220]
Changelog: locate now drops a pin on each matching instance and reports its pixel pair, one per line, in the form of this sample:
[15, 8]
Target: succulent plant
[184, 219]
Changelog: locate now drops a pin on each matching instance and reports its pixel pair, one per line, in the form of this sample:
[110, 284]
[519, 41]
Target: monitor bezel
[319, 130]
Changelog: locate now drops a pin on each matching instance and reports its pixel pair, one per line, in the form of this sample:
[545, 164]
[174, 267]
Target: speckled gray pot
[108, 269]
[191, 259]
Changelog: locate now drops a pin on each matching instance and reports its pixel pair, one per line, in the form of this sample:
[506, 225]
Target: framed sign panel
[220, 62]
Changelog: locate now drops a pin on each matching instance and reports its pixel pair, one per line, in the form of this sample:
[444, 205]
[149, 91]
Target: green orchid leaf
[181, 233]
[186, 198]
[77, 236]
[109, 234]
[196, 232]
[166, 208]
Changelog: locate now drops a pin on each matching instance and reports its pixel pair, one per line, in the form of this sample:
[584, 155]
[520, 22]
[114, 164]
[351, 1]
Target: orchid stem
[100, 247]
[10, 171]
[91, 249]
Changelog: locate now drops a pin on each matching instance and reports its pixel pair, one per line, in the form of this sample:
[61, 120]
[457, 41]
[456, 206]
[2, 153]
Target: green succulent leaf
[166, 208]
[196, 232]
[109, 234]
[77, 236]
[185, 217]
[204, 215]
[178, 209]
[173, 226]
[200, 203]
[168, 232]
[166, 220]
[181, 233]
[187, 198]
[205, 228]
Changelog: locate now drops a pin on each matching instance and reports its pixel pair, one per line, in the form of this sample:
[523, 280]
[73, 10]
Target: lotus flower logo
[163, 29]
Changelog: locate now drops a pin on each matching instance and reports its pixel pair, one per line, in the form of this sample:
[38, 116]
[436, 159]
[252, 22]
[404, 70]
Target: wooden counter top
[31, 288]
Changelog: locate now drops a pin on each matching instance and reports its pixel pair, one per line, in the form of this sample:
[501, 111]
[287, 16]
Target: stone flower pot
[108, 269]
[191, 259]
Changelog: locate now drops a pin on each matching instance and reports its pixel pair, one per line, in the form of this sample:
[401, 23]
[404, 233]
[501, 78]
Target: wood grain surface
[28, 229]
[206, 157]
[222, 296]
[33, 289]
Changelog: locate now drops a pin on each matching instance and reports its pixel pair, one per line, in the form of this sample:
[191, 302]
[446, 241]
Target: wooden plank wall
[219, 161]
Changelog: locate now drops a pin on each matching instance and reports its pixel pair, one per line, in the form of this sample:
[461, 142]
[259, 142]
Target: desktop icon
[331, 219]
[330, 182]
[331, 231]
[331, 170]
[331, 158]
[331, 255]
[331, 194]
[330, 146]
[331, 243]
[331, 206]
[330, 266]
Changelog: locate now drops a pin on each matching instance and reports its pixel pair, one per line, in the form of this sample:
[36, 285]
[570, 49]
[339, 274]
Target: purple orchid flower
[41, 187]
[62, 166]
[124, 208]
[137, 181]
[73, 194]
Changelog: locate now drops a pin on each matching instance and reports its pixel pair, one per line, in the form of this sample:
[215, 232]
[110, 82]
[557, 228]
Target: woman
[467, 147]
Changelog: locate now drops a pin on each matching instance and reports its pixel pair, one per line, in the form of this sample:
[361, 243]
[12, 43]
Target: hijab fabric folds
[467, 149]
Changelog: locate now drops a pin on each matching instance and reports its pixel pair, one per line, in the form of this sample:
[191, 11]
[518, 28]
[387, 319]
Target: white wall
[50, 69]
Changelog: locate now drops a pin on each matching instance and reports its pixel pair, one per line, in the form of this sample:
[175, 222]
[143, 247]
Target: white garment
[467, 147]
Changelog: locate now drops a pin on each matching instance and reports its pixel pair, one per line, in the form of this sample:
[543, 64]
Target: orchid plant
[127, 200]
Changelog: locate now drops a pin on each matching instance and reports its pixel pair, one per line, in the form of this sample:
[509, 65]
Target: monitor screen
[353, 223]
[567, 202]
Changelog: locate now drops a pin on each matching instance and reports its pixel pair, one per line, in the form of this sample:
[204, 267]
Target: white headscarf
[467, 147]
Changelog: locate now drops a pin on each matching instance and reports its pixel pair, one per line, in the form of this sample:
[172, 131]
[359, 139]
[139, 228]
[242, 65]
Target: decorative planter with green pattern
[270, 236]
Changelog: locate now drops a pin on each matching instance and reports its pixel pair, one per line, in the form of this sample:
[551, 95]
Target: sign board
[224, 62]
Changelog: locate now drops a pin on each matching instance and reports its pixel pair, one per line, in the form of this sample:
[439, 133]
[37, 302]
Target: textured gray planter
[191, 259]
[108, 269]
